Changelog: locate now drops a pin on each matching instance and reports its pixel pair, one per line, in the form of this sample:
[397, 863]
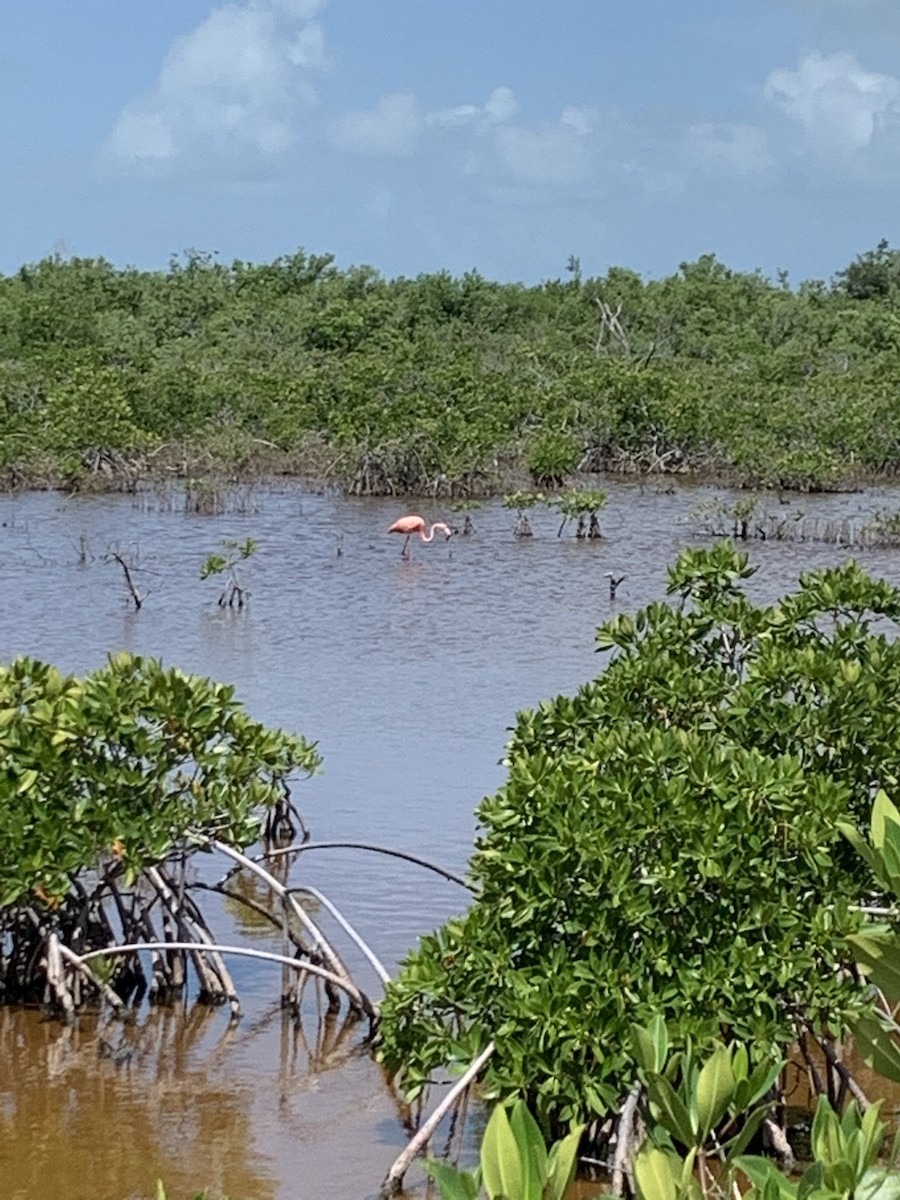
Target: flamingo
[415, 524]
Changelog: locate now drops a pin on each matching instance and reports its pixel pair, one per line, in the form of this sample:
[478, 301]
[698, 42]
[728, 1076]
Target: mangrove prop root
[112, 998]
[210, 984]
[240, 951]
[393, 1181]
[347, 928]
[56, 980]
[295, 939]
[191, 917]
[816, 1086]
[304, 847]
[331, 957]
[44, 955]
[840, 1069]
[777, 1139]
[625, 1148]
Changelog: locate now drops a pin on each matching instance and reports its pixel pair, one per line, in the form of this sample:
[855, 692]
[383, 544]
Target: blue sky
[417, 135]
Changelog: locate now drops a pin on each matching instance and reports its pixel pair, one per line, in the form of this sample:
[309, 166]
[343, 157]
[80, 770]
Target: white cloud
[500, 106]
[391, 128]
[550, 153]
[840, 106]
[724, 148]
[555, 154]
[301, 10]
[308, 48]
[394, 125]
[232, 86]
[582, 120]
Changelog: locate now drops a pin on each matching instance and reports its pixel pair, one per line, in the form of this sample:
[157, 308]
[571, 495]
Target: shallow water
[408, 674]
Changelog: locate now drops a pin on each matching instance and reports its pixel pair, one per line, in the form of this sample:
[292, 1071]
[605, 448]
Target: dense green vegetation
[445, 385]
[667, 845]
[108, 785]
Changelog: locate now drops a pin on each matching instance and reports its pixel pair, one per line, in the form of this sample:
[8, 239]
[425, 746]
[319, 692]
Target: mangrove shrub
[107, 777]
[666, 845]
[443, 385]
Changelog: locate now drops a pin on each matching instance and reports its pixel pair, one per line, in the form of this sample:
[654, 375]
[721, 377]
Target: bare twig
[611, 325]
[135, 594]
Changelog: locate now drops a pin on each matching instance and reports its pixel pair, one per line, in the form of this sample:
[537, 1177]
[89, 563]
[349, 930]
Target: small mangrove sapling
[465, 507]
[514, 1163]
[234, 594]
[523, 502]
[583, 505]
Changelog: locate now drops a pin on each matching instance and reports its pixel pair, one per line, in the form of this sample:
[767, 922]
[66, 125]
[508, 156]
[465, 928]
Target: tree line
[446, 385]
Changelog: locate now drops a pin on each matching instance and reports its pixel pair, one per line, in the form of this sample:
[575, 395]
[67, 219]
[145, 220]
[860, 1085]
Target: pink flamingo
[415, 524]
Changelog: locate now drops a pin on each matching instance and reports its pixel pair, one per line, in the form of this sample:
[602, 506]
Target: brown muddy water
[408, 675]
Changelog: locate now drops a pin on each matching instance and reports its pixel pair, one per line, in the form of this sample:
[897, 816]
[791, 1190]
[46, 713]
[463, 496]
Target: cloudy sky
[416, 135]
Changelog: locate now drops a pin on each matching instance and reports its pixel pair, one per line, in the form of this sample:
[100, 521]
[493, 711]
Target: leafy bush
[553, 456]
[667, 843]
[120, 766]
[440, 384]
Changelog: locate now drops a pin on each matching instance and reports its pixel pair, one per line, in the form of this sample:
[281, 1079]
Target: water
[408, 675]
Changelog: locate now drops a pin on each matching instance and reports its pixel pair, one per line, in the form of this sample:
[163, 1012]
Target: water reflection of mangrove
[105, 1108]
[97, 1115]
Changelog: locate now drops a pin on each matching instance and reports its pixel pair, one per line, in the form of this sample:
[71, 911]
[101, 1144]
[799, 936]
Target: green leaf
[824, 1135]
[879, 956]
[644, 1048]
[657, 1173]
[763, 1174]
[883, 811]
[650, 1044]
[877, 1047]
[561, 1164]
[673, 1112]
[453, 1182]
[532, 1151]
[715, 1089]
[878, 1184]
[27, 780]
[741, 1140]
[865, 851]
[501, 1164]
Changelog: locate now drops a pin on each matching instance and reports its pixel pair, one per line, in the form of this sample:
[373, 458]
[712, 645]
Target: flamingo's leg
[404, 553]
